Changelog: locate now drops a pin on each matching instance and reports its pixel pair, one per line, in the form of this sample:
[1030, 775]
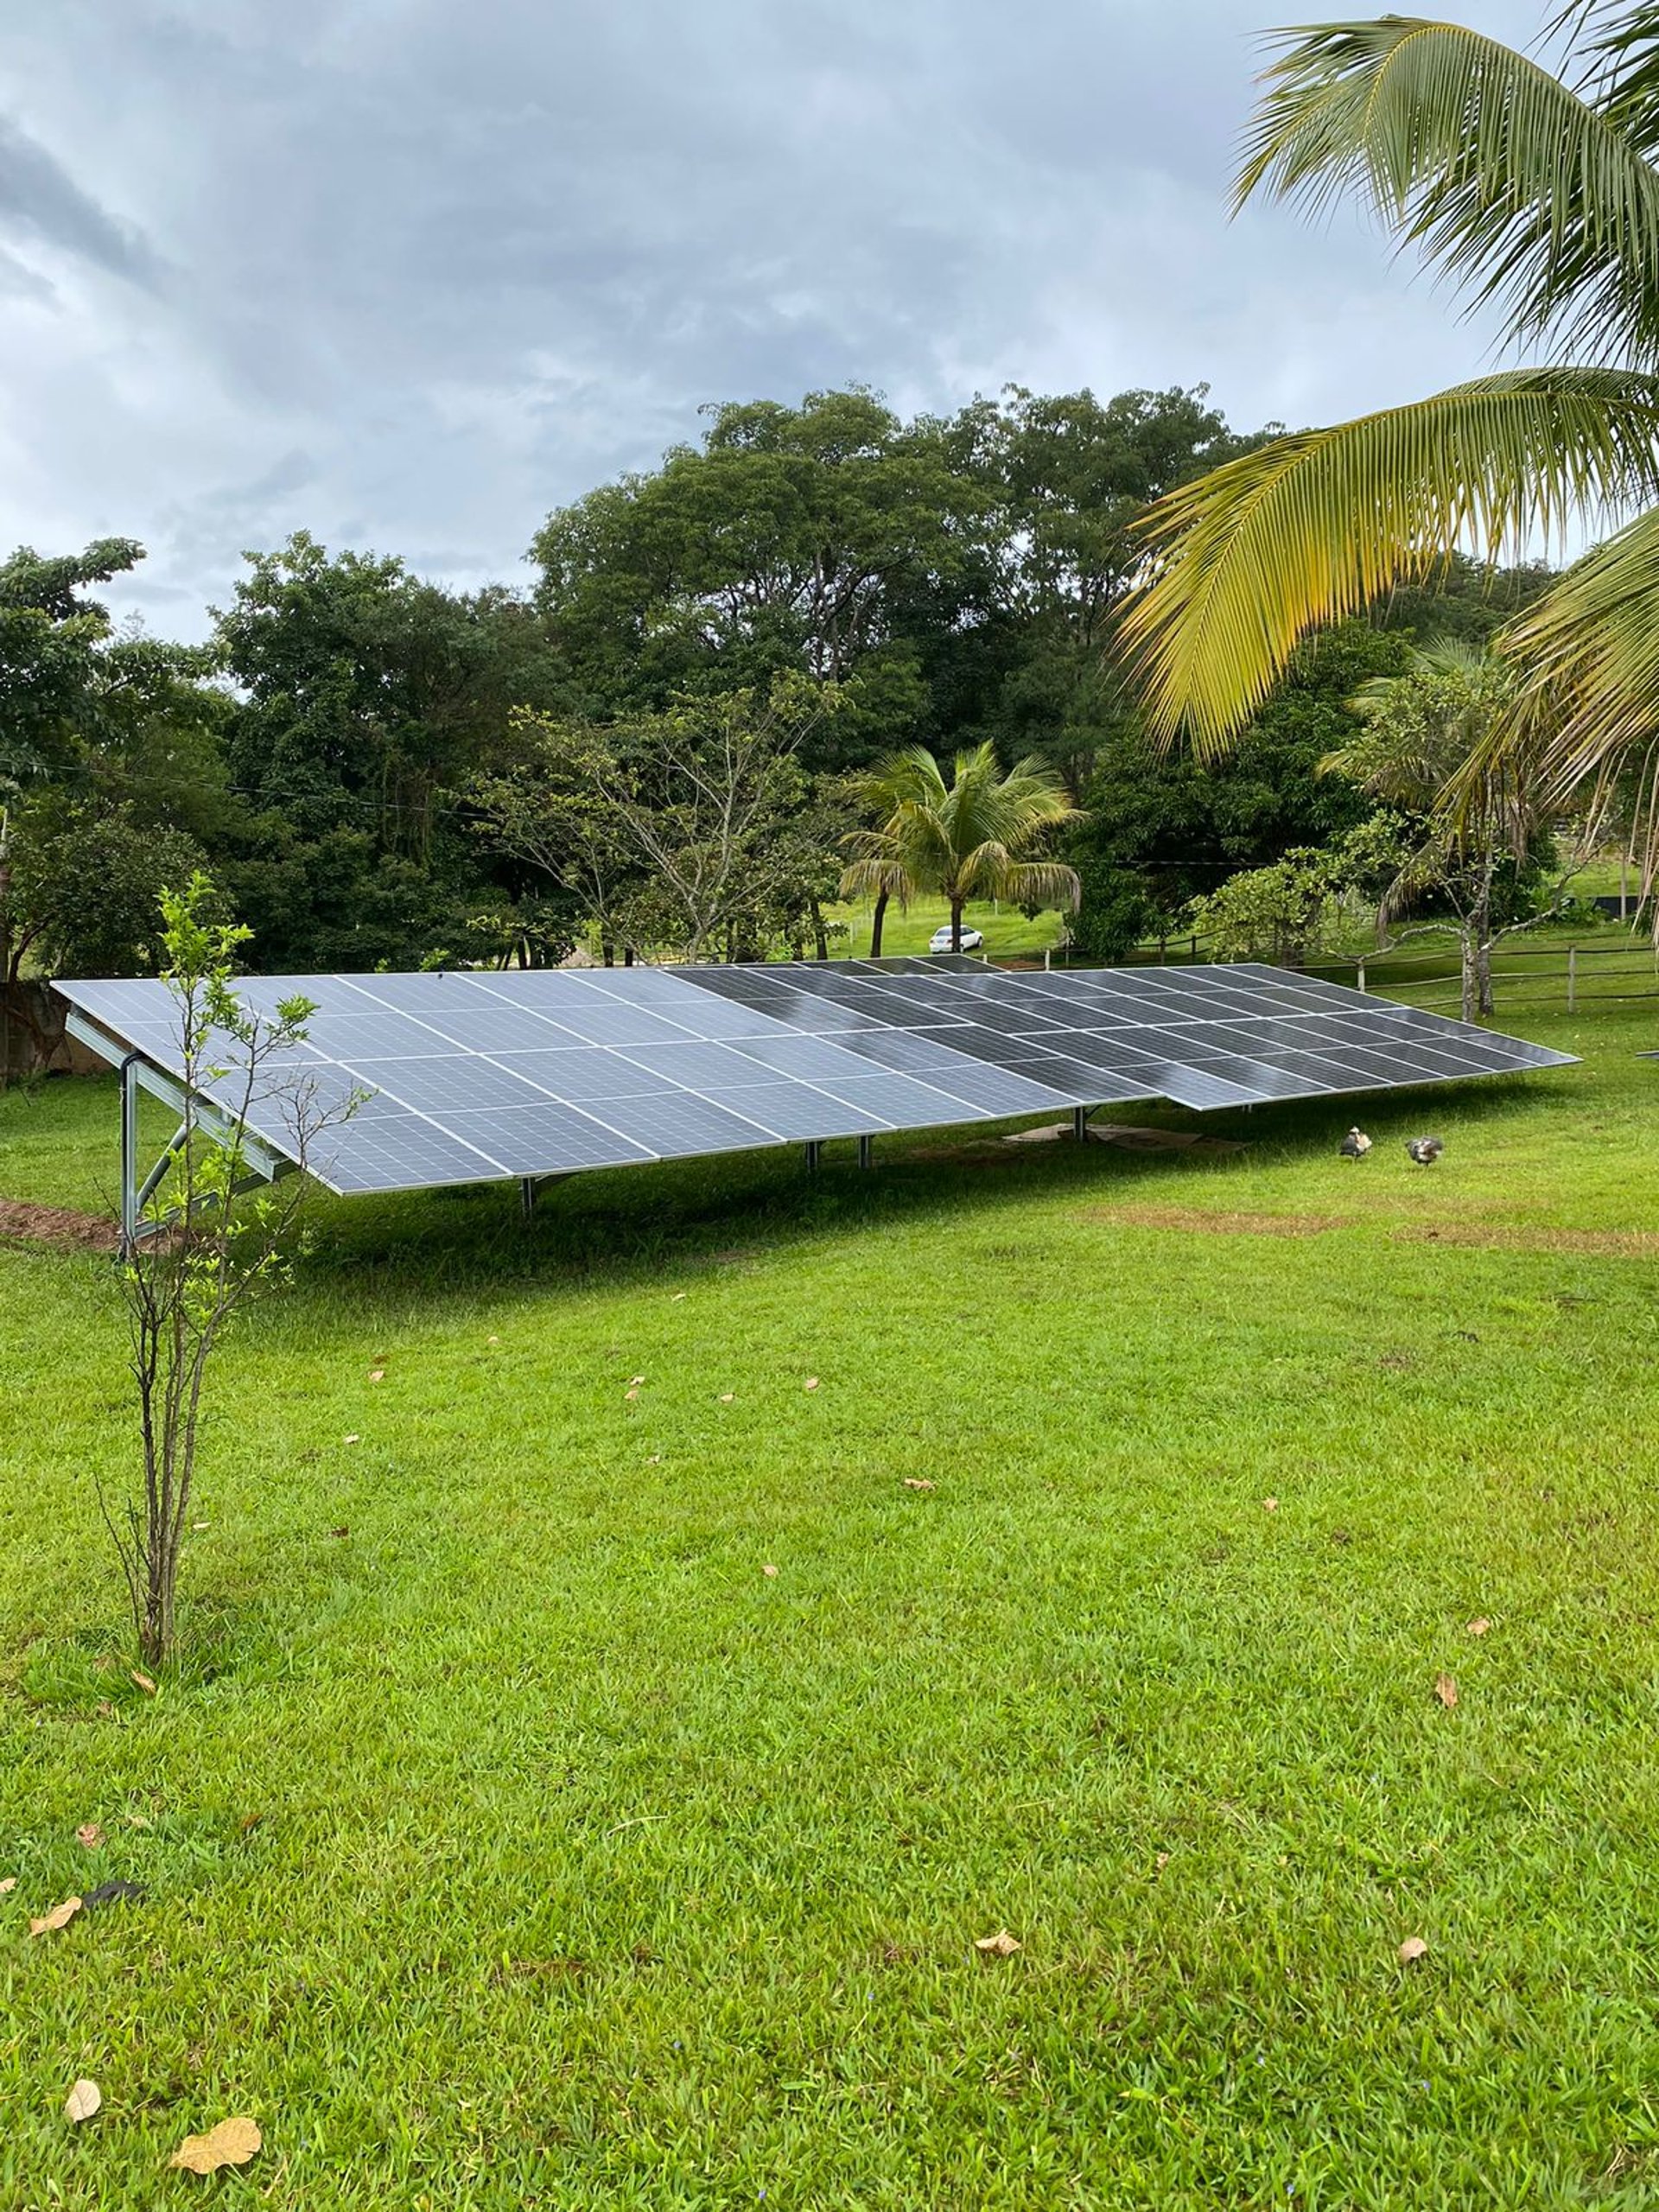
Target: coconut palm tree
[1537, 190]
[971, 838]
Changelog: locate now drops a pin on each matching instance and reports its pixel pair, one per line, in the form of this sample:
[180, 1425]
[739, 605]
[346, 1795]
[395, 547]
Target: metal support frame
[1080, 1123]
[263, 1164]
[531, 1188]
[814, 1156]
[867, 1151]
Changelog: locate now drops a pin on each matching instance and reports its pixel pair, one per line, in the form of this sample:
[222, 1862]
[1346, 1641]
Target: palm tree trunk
[876, 920]
[820, 935]
[956, 925]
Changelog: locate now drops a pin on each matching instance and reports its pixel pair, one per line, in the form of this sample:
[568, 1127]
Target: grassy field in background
[1007, 931]
[511, 1837]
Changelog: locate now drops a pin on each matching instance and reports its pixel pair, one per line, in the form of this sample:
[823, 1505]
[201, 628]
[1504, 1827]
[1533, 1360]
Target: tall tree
[1472, 843]
[369, 698]
[111, 775]
[677, 829]
[1072, 475]
[790, 539]
[1539, 197]
[973, 838]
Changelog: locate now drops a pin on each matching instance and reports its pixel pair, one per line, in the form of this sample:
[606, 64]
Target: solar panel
[469, 1077]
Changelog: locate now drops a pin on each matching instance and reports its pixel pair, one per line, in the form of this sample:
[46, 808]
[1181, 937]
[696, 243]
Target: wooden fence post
[1362, 971]
[1572, 978]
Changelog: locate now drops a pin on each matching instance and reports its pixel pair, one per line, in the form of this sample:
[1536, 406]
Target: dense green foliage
[358, 753]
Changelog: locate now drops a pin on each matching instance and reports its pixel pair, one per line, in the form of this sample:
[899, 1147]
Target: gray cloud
[432, 270]
[40, 200]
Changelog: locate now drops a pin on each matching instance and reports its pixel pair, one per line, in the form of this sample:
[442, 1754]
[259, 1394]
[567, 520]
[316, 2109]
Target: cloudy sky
[408, 273]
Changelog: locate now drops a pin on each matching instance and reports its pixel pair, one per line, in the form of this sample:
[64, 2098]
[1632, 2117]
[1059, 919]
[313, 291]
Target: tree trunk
[1483, 974]
[876, 919]
[607, 952]
[1469, 948]
[820, 935]
[956, 925]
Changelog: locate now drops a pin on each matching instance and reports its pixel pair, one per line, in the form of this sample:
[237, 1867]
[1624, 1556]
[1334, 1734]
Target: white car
[972, 941]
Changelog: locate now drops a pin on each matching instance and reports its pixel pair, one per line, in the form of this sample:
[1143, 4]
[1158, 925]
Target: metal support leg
[867, 1151]
[527, 1190]
[129, 1201]
[814, 1157]
[1080, 1123]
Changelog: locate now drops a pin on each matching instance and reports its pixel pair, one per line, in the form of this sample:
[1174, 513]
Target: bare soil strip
[1628, 1244]
[56, 1225]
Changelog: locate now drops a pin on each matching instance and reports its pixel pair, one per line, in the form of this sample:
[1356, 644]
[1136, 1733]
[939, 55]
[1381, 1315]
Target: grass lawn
[1007, 931]
[510, 1837]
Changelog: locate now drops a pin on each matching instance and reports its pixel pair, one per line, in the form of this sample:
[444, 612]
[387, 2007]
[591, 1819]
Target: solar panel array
[474, 1077]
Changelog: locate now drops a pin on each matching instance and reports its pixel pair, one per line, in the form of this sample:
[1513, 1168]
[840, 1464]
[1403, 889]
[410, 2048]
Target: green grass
[1007, 931]
[513, 1839]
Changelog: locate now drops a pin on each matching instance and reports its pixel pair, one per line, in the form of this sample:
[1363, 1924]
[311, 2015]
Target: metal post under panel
[814, 1157]
[128, 1152]
[867, 1151]
[1080, 1123]
[527, 1195]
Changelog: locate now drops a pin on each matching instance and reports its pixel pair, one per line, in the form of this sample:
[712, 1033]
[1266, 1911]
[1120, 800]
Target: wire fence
[1555, 977]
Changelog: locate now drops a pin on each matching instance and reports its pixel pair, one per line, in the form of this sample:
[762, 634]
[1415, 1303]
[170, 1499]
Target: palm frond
[1534, 200]
[878, 876]
[1315, 526]
[1043, 883]
[1589, 655]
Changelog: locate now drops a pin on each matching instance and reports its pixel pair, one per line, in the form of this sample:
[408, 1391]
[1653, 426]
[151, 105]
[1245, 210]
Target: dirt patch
[1614, 1243]
[79, 1233]
[1221, 1224]
[1626, 1243]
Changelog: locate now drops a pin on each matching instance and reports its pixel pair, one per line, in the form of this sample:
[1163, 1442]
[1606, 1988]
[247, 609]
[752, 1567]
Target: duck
[1355, 1145]
[1424, 1151]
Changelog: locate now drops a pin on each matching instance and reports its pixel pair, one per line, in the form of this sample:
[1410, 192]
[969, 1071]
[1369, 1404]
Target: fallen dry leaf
[999, 1946]
[352, 1439]
[1446, 1690]
[1412, 1949]
[198, 1526]
[492, 1340]
[811, 1383]
[631, 1394]
[634, 1381]
[233, 2143]
[655, 1459]
[339, 1532]
[59, 1917]
[677, 1296]
[376, 1375]
[143, 1682]
[104, 1709]
[8, 1884]
[916, 1482]
[768, 1568]
[1269, 1505]
[82, 2101]
[1162, 1861]
[1478, 1626]
[90, 1834]
[139, 1821]
[726, 1397]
